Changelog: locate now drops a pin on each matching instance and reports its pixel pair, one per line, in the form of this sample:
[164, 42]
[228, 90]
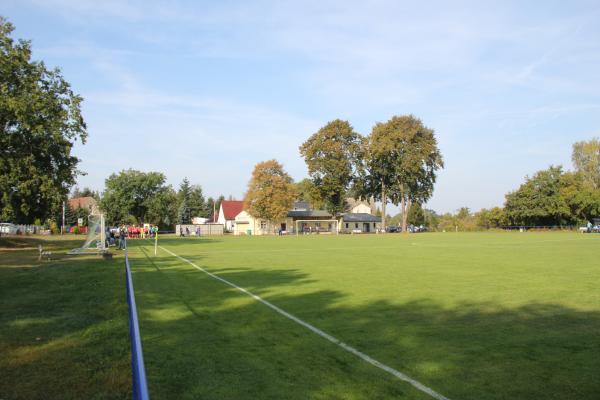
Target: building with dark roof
[359, 222]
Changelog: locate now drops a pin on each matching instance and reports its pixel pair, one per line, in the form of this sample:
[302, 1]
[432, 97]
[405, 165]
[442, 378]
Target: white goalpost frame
[337, 224]
[100, 245]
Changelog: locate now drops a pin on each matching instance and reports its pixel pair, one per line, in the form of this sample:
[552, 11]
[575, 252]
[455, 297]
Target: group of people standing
[119, 235]
[186, 232]
[140, 232]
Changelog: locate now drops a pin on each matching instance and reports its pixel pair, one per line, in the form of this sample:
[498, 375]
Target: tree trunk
[383, 203]
[405, 209]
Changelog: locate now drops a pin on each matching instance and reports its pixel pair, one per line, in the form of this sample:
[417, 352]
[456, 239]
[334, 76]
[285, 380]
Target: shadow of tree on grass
[63, 325]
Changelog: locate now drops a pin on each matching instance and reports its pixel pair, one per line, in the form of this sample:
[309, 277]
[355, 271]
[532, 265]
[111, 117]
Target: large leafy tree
[402, 159]
[271, 192]
[332, 156]
[580, 197]
[138, 196]
[538, 201]
[586, 159]
[372, 180]
[40, 120]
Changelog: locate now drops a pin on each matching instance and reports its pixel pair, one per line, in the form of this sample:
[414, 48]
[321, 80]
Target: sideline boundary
[138, 371]
[418, 385]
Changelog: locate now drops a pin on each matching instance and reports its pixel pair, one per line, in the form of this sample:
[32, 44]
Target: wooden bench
[44, 254]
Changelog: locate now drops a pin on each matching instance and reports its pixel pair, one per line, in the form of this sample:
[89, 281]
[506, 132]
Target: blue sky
[208, 89]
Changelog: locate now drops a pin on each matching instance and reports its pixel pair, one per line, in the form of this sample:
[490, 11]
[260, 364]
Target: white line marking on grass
[319, 332]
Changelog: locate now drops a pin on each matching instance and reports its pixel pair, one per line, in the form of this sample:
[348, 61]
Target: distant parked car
[7, 228]
[392, 229]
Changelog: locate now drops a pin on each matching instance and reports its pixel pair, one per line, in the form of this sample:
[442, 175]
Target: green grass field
[472, 316]
[63, 323]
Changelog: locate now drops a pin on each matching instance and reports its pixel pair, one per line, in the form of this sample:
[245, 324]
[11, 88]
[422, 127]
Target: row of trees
[557, 197]
[132, 197]
[397, 163]
[551, 197]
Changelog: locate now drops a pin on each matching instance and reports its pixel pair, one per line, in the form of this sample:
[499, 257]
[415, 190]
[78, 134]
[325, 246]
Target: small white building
[361, 206]
[228, 210]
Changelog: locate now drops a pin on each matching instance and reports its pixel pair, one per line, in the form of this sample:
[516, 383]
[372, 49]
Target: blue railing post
[138, 372]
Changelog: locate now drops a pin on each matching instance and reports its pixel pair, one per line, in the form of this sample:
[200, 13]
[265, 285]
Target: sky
[205, 90]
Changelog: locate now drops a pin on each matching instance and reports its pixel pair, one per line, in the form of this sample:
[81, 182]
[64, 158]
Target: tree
[196, 202]
[416, 216]
[432, 220]
[586, 159]
[40, 121]
[162, 208]
[137, 194]
[580, 197]
[402, 155]
[307, 191]
[210, 209]
[371, 178]
[82, 213]
[271, 192]
[184, 213]
[331, 156]
[538, 201]
[85, 192]
[492, 218]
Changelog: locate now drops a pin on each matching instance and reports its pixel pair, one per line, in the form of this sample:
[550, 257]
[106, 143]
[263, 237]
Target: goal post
[95, 241]
[314, 225]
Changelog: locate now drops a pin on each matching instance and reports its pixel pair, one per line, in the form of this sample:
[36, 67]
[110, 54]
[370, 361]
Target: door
[366, 227]
[283, 226]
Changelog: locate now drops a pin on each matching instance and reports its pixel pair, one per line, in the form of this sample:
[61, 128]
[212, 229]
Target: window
[346, 225]
[263, 224]
[318, 224]
[356, 225]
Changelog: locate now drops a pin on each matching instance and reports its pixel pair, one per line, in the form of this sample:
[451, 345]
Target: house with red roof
[228, 211]
[87, 203]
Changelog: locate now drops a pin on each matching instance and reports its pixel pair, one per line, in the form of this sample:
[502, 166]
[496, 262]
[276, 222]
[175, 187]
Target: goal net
[311, 226]
[95, 242]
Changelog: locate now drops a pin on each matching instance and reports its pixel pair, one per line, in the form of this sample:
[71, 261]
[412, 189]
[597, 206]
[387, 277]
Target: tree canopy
[586, 159]
[332, 155]
[404, 158]
[307, 191]
[40, 120]
[271, 192]
[139, 197]
[538, 201]
[184, 215]
[85, 192]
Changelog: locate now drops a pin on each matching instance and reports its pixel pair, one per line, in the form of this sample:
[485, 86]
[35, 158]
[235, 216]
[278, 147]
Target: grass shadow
[63, 325]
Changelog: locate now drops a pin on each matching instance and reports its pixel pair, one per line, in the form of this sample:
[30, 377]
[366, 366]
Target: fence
[138, 372]
[203, 229]
[540, 227]
[21, 229]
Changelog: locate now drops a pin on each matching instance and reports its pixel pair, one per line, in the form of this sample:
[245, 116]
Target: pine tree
[183, 213]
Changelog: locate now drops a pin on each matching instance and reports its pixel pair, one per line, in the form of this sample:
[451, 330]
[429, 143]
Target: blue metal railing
[138, 372]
